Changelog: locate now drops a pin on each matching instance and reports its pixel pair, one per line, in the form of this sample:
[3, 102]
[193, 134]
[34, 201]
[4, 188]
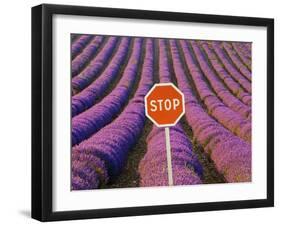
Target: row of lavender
[185, 165]
[231, 155]
[84, 126]
[100, 114]
[222, 107]
[101, 158]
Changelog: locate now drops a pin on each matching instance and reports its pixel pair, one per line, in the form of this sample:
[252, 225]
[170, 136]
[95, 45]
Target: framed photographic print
[145, 112]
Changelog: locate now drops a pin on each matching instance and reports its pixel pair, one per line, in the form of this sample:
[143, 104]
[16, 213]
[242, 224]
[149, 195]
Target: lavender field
[114, 145]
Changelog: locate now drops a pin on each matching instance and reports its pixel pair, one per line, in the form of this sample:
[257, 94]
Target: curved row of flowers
[99, 115]
[95, 66]
[243, 56]
[237, 62]
[86, 55]
[222, 92]
[230, 68]
[101, 158]
[87, 97]
[185, 165]
[227, 117]
[79, 44]
[231, 155]
[232, 85]
[247, 49]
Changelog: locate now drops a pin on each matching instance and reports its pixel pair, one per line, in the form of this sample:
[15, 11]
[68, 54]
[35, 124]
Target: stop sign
[164, 104]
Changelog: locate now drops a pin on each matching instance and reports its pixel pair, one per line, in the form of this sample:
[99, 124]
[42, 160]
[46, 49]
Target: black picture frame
[42, 111]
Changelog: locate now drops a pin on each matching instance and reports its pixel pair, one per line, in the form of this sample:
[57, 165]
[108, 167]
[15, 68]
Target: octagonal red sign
[164, 104]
